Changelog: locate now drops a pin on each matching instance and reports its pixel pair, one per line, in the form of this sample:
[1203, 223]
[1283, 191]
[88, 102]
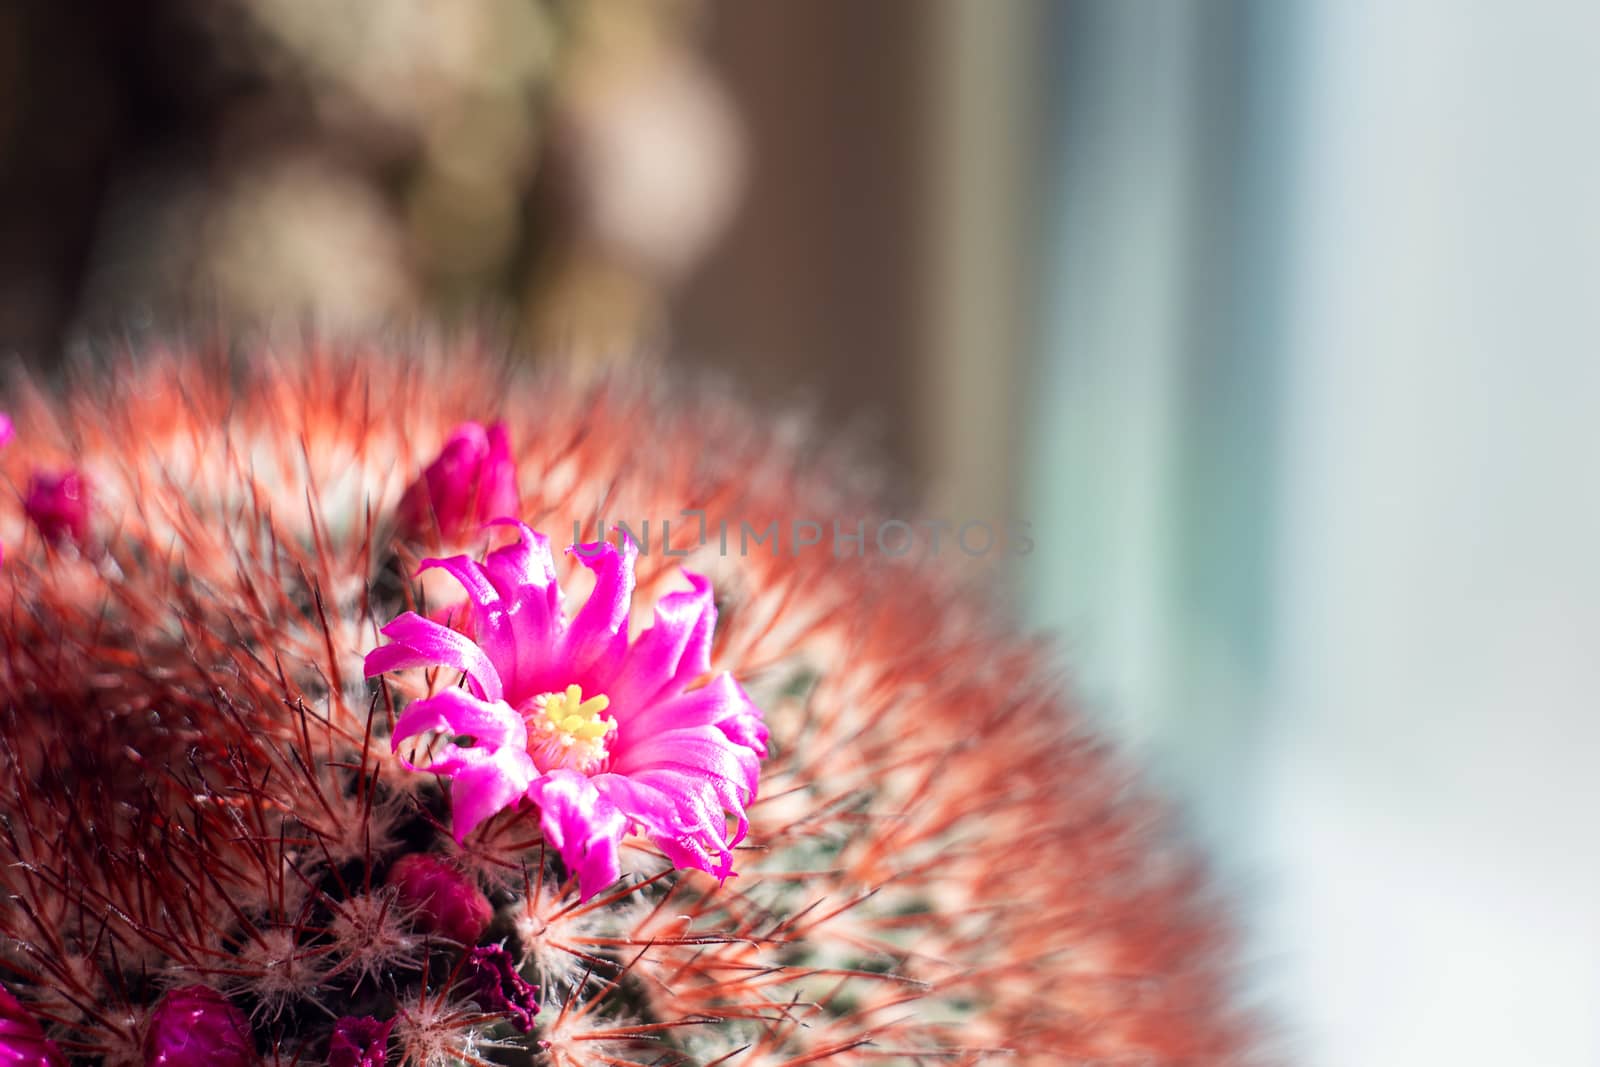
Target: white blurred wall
[1316, 472]
[1431, 802]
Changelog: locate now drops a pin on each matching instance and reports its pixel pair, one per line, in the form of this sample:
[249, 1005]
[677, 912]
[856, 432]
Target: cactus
[217, 816]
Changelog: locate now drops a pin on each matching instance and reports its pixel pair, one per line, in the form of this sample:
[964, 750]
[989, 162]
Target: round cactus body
[686, 792]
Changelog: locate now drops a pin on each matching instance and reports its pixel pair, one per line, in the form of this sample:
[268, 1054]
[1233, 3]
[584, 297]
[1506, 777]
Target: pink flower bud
[359, 1042]
[58, 504]
[22, 1040]
[473, 480]
[197, 1027]
[448, 902]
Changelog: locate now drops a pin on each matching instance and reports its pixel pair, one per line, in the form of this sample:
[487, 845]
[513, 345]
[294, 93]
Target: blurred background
[1275, 319]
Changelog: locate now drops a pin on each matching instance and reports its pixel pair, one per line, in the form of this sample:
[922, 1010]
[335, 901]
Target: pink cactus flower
[197, 1027]
[602, 732]
[58, 504]
[22, 1040]
[446, 899]
[473, 480]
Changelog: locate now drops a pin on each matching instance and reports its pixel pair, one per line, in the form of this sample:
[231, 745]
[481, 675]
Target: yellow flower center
[565, 730]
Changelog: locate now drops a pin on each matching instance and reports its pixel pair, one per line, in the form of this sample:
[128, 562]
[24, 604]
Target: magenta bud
[473, 480]
[58, 504]
[197, 1027]
[22, 1040]
[359, 1041]
[447, 900]
[499, 988]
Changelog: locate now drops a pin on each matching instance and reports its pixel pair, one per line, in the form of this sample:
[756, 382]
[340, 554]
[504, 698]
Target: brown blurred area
[817, 288]
[248, 160]
[748, 187]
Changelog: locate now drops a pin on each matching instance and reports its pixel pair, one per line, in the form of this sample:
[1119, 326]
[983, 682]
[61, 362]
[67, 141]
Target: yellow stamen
[570, 732]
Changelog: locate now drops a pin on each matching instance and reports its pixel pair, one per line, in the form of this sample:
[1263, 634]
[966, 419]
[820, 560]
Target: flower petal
[493, 725]
[517, 612]
[687, 852]
[653, 809]
[703, 750]
[420, 642]
[451, 759]
[704, 802]
[722, 703]
[470, 573]
[527, 562]
[582, 826]
[673, 652]
[598, 636]
[515, 625]
[681, 812]
[476, 793]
